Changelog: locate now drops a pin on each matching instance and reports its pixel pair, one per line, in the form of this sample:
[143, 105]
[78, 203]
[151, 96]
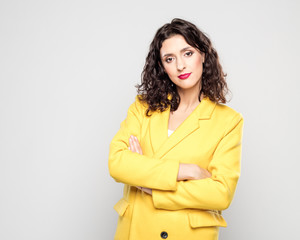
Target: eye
[169, 59]
[189, 53]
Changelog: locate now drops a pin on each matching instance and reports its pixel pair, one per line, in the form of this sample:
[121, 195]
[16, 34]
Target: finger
[131, 144]
[147, 190]
[135, 144]
[205, 173]
[139, 149]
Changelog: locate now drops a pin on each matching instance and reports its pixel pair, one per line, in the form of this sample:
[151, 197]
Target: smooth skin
[178, 57]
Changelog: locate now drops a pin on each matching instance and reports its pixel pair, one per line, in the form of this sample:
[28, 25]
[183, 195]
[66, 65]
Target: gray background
[68, 70]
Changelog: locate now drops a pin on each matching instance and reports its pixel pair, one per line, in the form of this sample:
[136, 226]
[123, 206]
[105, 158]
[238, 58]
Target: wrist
[194, 171]
[187, 171]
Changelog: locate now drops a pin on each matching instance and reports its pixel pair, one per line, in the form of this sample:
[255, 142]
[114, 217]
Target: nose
[180, 64]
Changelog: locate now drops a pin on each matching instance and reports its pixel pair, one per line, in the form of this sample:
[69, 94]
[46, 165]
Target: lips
[184, 76]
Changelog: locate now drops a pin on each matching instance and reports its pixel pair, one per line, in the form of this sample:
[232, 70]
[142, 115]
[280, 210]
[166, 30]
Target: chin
[188, 86]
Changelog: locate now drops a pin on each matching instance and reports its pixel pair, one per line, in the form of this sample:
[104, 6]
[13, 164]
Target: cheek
[168, 70]
[198, 62]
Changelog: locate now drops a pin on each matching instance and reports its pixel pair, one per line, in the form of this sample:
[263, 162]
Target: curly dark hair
[156, 88]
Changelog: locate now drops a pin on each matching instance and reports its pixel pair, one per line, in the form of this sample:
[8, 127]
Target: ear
[203, 57]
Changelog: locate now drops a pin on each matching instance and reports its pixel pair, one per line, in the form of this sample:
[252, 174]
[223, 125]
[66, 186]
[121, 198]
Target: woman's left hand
[145, 190]
[135, 146]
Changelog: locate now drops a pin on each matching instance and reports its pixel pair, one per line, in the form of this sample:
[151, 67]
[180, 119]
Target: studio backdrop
[67, 76]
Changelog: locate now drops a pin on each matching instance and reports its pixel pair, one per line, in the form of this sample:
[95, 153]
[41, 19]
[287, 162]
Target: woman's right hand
[191, 172]
[185, 172]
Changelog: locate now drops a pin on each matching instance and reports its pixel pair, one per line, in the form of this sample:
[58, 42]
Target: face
[182, 63]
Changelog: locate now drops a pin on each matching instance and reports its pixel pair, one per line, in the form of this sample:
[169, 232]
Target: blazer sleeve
[215, 193]
[135, 169]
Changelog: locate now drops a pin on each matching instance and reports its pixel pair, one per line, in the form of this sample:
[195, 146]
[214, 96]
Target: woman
[178, 151]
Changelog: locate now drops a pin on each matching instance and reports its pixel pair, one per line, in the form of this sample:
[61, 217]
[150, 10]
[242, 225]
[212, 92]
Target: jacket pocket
[206, 219]
[121, 207]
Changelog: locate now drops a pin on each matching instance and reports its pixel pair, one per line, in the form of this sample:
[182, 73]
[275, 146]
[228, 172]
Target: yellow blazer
[210, 137]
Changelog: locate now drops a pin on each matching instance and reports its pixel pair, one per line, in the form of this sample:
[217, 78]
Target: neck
[189, 99]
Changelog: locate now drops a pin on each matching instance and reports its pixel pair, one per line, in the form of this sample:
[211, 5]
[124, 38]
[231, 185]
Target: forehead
[173, 44]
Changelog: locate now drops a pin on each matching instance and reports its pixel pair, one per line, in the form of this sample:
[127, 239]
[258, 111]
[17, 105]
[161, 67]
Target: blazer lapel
[161, 143]
[159, 129]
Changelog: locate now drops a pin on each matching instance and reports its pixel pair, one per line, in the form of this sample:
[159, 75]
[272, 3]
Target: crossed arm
[164, 179]
[185, 172]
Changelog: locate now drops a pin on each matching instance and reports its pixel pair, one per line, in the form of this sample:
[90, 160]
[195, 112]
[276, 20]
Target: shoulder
[209, 109]
[229, 117]
[226, 111]
[224, 116]
[138, 107]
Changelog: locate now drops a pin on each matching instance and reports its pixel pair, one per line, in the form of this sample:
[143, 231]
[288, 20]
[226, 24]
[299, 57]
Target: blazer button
[164, 235]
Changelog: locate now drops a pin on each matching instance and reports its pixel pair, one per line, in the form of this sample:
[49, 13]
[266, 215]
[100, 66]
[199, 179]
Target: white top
[170, 132]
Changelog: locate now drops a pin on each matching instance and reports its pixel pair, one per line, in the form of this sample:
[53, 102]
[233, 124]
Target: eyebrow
[182, 50]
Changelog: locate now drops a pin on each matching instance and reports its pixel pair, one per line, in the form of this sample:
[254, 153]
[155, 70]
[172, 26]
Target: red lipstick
[184, 76]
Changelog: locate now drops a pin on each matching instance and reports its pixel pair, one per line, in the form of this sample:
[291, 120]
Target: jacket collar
[160, 141]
